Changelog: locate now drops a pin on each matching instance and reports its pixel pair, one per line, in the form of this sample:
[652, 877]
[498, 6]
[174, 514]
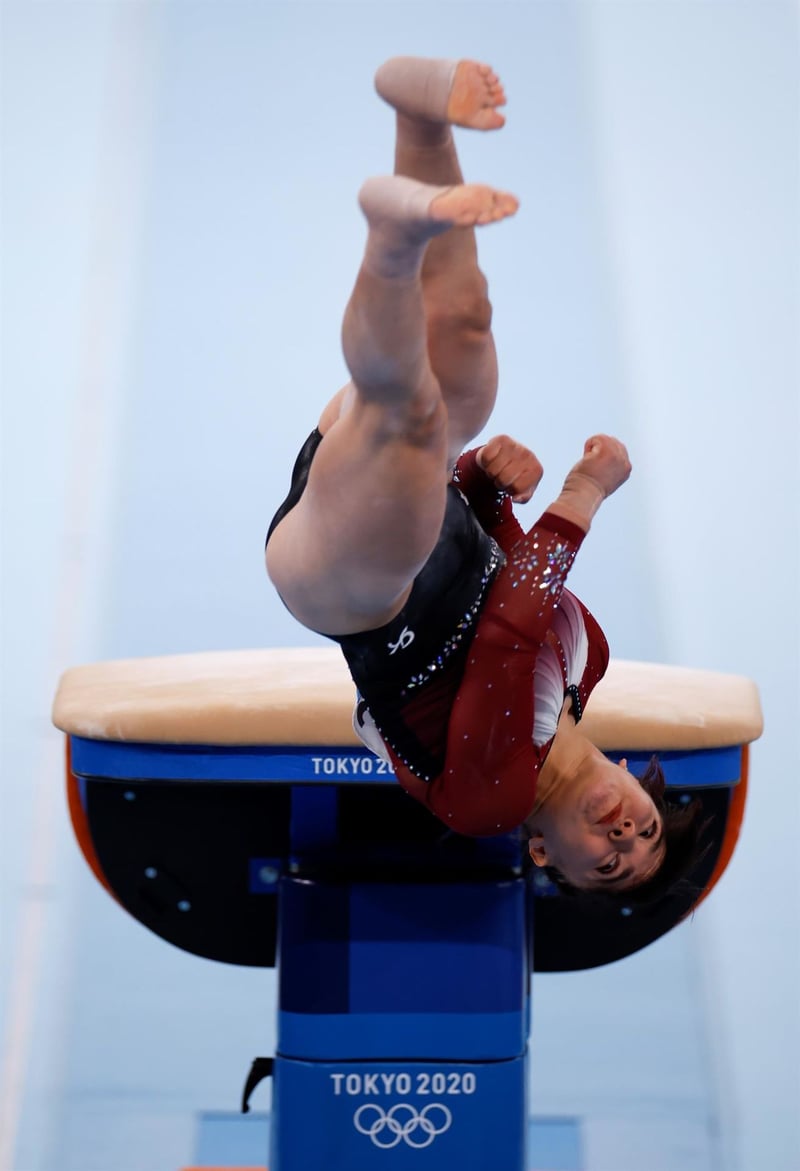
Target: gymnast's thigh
[345, 556]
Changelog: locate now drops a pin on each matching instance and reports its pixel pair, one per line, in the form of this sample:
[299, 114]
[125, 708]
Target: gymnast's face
[602, 831]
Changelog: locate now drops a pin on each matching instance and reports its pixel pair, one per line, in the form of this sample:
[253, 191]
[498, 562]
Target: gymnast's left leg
[431, 97]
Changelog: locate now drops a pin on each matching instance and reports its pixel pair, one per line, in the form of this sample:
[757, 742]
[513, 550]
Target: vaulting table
[224, 800]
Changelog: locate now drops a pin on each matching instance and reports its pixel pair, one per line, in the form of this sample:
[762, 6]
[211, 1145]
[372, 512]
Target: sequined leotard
[451, 683]
[488, 782]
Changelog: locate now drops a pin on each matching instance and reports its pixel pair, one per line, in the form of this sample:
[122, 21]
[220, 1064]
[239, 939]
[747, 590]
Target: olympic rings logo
[387, 1128]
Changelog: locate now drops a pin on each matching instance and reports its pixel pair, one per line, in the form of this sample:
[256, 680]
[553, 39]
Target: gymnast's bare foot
[405, 211]
[477, 92]
[463, 93]
[470, 205]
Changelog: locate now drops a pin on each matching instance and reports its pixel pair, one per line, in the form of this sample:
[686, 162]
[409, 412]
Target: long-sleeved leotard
[488, 782]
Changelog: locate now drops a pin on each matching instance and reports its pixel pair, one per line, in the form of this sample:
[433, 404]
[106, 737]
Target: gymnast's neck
[570, 753]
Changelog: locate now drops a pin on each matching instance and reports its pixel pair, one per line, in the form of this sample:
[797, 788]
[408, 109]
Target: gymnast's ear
[537, 850]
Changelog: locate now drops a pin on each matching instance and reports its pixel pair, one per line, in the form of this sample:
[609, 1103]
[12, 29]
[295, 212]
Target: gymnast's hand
[605, 462]
[602, 469]
[511, 466]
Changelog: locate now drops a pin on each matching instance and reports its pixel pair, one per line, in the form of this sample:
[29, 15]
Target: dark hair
[684, 849]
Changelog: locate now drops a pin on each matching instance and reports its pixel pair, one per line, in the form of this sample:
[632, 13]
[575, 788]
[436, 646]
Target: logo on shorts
[402, 1123]
[405, 640]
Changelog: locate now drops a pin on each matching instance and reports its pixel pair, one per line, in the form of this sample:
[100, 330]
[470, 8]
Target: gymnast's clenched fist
[511, 466]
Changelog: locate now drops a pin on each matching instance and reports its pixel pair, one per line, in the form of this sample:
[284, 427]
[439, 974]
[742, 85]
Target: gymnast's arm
[488, 782]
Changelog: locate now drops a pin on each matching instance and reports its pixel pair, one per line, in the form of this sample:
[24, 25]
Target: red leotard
[488, 782]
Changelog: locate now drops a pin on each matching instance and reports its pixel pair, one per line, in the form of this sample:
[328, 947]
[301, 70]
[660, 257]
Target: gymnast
[472, 660]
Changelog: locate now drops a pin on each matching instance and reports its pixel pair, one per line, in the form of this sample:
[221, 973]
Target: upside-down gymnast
[472, 660]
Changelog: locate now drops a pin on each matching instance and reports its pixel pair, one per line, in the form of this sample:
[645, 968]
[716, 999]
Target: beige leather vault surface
[303, 695]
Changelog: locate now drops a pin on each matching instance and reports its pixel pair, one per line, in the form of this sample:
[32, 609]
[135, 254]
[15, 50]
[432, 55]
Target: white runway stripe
[131, 46]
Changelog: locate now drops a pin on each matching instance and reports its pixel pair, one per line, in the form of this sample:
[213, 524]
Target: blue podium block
[416, 970]
[403, 1017]
[400, 1116]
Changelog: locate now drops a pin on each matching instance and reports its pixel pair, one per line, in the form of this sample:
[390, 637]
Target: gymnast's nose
[622, 829]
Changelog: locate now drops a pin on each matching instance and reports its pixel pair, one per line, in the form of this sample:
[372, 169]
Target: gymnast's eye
[609, 867]
[651, 831]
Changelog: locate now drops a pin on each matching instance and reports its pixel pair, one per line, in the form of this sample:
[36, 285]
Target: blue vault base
[403, 953]
[411, 1052]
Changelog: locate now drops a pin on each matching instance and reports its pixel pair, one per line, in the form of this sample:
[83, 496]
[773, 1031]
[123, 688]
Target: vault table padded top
[304, 696]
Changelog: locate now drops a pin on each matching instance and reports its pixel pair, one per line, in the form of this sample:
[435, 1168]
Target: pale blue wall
[179, 233]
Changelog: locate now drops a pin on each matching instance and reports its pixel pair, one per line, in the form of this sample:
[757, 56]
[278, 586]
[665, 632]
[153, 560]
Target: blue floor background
[225, 1139]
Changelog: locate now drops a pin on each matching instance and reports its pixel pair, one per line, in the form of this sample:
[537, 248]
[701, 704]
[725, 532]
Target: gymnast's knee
[466, 311]
[420, 422]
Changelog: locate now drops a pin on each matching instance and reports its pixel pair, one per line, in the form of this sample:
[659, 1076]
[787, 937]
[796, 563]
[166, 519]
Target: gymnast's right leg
[345, 557]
